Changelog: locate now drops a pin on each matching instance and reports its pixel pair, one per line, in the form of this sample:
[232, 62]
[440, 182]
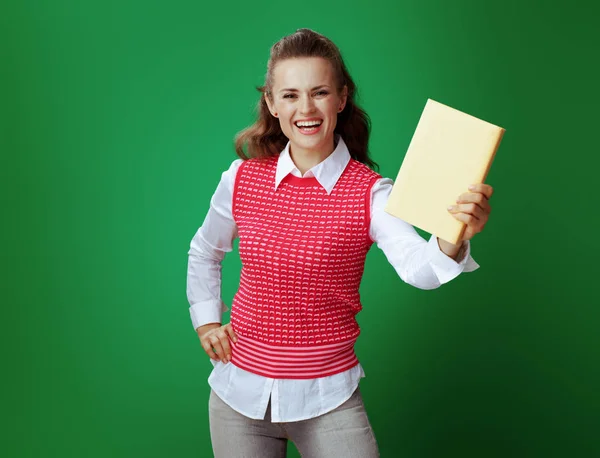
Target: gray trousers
[343, 432]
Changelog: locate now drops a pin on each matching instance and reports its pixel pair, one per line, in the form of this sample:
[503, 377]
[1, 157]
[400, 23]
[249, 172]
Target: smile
[308, 127]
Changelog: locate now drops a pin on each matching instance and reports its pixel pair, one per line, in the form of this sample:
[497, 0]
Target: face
[304, 91]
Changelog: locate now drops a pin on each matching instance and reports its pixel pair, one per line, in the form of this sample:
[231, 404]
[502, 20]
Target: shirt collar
[327, 172]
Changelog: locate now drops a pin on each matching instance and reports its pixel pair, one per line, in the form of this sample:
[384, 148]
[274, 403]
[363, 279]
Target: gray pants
[343, 432]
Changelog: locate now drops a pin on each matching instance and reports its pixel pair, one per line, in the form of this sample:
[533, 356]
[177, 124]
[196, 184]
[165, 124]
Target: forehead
[303, 72]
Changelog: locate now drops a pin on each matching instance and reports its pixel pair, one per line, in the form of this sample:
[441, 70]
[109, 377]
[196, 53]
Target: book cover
[448, 151]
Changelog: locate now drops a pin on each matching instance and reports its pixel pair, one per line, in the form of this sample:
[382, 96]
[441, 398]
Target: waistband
[293, 361]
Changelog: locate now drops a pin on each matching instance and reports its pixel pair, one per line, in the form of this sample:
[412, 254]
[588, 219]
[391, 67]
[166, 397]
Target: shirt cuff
[446, 268]
[206, 312]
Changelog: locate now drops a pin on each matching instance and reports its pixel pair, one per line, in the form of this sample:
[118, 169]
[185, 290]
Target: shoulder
[252, 167]
[363, 172]
[231, 172]
[262, 160]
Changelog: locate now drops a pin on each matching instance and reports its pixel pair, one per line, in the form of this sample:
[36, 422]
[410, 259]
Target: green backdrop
[117, 120]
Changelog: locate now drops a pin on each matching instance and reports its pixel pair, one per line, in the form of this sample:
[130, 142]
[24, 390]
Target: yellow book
[449, 151]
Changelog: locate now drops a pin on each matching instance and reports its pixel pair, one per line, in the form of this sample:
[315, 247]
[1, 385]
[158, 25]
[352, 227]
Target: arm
[207, 250]
[418, 262]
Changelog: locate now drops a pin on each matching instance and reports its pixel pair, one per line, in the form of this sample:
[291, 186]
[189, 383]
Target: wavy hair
[265, 138]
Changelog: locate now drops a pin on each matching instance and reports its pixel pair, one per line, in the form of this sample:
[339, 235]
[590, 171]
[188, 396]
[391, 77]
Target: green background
[117, 120]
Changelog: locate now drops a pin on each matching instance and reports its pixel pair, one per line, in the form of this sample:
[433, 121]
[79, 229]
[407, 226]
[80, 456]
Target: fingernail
[450, 207]
[472, 187]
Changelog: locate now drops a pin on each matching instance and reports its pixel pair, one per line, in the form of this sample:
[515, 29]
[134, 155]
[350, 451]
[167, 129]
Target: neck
[306, 160]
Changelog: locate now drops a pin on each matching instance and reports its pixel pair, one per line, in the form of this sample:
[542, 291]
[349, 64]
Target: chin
[312, 140]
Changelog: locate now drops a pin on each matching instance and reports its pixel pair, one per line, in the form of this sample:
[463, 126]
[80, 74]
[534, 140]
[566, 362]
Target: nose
[307, 105]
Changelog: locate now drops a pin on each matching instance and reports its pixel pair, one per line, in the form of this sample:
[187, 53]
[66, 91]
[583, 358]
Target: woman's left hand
[473, 209]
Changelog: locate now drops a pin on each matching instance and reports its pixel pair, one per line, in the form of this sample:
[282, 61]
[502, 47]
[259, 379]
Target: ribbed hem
[293, 362]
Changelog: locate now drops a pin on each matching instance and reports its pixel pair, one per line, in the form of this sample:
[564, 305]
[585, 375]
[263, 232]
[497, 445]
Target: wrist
[201, 330]
[449, 249]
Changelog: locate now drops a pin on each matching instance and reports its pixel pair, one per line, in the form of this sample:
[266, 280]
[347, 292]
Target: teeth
[308, 123]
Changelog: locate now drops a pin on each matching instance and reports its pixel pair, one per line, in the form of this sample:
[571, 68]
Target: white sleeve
[418, 262]
[207, 250]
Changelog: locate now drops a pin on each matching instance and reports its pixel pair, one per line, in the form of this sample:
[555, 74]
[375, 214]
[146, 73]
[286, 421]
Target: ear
[270, 105]
[343, 98]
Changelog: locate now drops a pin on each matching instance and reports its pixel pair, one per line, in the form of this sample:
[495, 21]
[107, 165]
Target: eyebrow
[296, 90]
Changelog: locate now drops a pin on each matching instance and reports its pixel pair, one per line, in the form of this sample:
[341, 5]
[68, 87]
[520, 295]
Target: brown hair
[265, 138]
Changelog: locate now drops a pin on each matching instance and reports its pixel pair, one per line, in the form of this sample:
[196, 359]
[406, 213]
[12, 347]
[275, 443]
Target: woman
[306, 207]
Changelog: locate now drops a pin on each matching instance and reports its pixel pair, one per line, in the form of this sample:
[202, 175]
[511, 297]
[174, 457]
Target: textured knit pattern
[303, 253]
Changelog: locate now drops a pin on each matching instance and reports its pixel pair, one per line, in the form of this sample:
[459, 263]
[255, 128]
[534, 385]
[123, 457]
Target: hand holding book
[472, 208]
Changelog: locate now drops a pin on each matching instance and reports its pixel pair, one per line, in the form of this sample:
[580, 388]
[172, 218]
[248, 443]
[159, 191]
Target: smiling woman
[307, 80]
[306, 206]
[307, 113]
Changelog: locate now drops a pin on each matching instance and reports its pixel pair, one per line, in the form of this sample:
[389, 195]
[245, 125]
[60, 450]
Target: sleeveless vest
[303, 253]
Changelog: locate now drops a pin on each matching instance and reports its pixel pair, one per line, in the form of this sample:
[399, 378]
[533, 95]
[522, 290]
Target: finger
[470, 209]
[477, 198]
[208, 348]
[483, 188]
[474, 223]
[224, 339]
[229, 330]
[216, 343]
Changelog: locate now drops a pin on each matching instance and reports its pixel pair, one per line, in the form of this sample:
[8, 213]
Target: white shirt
[418, 262]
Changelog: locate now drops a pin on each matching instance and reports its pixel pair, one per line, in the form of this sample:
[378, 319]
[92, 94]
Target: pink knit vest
[303, 253]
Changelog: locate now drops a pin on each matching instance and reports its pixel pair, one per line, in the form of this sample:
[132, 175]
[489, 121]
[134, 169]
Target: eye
[288, 96]
[322, 92]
